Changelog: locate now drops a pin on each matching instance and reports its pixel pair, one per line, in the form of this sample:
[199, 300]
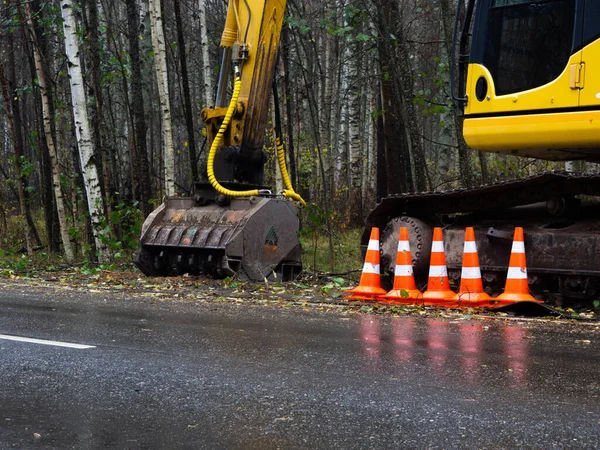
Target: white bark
[342, 139]
[334, 74]
[341, 157]
[208, 85]
[58, 196]
[160, 64]
[369, 175]
[5, 142]
[446, 130]
[570, 166]
[83, 133]
[144, 7]
[355, 156]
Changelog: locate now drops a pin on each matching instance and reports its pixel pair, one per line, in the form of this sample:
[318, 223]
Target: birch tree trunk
[160, 65]
[98, 129]
[355, 156]
[207, 72]
[343, 143]
[58, 196]
[91, 180]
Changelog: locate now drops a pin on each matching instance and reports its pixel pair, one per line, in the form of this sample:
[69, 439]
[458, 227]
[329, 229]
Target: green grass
[315, 251]
[346, 251]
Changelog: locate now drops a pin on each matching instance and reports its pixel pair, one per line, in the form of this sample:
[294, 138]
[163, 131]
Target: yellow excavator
[529, 85]
[233, 225]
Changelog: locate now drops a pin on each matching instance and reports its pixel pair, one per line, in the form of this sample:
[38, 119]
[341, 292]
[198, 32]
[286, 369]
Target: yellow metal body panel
[556, 94]
[556, 136]
[262, 37]
[262, 31]
[540, 132]
[590, 94]
[258, 26]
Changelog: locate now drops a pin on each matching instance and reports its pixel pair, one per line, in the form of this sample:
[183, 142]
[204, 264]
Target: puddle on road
[474, 351]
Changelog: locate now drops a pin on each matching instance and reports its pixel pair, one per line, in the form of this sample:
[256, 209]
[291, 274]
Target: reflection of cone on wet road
[438, 291]
[369, 287]
[471, 291]
[516, 289]
[404, 291]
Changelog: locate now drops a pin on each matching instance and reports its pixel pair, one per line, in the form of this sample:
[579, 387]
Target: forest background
[117, 86]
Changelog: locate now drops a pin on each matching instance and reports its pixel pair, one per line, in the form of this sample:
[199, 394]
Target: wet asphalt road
[170, 375]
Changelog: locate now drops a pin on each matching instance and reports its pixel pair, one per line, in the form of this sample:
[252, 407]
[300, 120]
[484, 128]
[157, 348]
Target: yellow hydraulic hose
[237, 87]
[289, 190]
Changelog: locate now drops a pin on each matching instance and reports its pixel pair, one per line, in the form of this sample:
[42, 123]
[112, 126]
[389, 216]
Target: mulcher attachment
[255, 238]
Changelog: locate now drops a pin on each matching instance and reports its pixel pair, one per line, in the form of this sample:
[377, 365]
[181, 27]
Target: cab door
[526, 54]
[590, 89]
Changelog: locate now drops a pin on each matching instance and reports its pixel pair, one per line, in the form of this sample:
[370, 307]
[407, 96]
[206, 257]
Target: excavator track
[502, 195]
[559, 211]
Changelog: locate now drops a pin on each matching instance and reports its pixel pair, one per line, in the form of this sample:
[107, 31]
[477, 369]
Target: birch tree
[206, 66]
[355, 156]
[95, 97]
[47, 120]
[82, 131]
[160, 65]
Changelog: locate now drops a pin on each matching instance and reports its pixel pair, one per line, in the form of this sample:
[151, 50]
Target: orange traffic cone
[438, 291]
[516, 289]
[369, 287]
[470, 292]
[405, 290]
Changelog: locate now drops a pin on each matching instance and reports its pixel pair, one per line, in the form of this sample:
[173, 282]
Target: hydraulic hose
[288, 192]
[237, 87]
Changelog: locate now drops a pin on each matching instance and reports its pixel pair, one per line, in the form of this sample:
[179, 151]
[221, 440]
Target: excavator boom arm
[250, 41]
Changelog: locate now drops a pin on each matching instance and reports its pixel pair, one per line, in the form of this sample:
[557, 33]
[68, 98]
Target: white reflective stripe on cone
[516, 273]
[403, 270]
[438, 271]
[403, 246]
[373, 245]
[437, 247]
[470, 247]
[518, 247]
[470, 273]
[371, 268]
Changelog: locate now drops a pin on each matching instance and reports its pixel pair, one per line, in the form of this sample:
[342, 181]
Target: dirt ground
[309, 292]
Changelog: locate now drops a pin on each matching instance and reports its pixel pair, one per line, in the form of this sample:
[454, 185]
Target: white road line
[44, 342]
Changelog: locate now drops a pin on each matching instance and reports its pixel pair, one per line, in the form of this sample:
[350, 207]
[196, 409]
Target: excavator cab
[532, 78]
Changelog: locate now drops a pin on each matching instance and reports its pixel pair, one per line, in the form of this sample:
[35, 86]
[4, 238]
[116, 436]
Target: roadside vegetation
[321, 286]
[343, 263]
